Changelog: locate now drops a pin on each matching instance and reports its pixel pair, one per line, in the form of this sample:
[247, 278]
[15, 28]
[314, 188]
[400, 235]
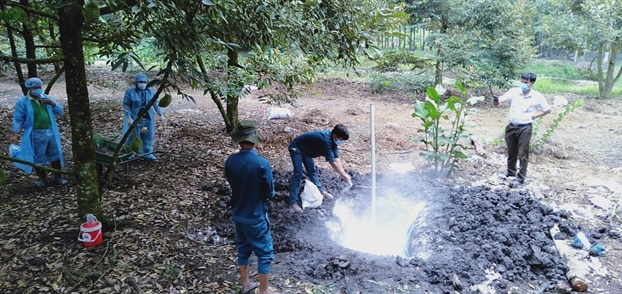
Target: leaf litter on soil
[183, 237]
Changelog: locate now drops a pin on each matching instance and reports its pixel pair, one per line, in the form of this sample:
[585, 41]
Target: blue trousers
[45, 149]
[298, 160]
[255, 238]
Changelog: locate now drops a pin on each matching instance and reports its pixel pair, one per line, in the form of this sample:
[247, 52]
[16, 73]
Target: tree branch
[54, 79]
[47, 46]
[121, 6]
[29, 9]
[32, 60]
[2, 157]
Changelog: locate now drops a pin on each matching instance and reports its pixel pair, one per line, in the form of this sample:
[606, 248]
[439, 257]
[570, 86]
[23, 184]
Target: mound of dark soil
[470, 235]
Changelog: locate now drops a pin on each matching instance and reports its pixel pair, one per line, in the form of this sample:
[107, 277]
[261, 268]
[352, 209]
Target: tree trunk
[422, 39]
[29, 42]
[70, 27]
[18, 66]
[609, 79]
[215, 97]
[232, 100]
[438, 71]
[57, 65]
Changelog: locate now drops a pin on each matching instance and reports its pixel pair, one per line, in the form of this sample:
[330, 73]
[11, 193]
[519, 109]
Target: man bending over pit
[304, 148]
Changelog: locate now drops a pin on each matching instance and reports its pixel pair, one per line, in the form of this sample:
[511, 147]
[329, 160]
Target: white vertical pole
[373, 166]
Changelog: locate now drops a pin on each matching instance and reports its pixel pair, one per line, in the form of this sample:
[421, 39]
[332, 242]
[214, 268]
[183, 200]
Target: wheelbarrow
[104, 151]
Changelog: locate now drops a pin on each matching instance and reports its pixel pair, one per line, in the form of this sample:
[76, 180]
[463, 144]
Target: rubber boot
[57, 177]
[42, 178]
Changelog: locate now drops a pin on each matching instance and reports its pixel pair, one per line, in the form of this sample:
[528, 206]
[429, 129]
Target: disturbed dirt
[478, 232]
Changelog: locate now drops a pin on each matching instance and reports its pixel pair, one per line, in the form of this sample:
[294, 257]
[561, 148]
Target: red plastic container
[91, 233]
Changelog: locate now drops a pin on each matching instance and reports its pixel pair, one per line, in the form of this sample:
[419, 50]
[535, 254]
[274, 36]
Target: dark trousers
[517, 139]
[54, 164]
[298, 161]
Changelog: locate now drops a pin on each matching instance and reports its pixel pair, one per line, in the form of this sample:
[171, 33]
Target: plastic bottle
[584, 240]
[90, 219]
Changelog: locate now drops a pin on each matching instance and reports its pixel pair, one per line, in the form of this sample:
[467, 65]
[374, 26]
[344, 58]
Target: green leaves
[13, 14]
[420, 110]
[493, 36]
[442, 145]
[539, 141]
[125, 59]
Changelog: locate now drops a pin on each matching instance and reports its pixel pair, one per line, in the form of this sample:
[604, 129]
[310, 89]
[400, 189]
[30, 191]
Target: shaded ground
[181, 241]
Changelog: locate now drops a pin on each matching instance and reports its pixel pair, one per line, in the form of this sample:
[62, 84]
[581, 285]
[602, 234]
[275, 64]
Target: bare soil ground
[182, 239]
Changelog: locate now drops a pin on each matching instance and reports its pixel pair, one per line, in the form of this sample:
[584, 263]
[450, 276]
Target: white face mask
[142, 86]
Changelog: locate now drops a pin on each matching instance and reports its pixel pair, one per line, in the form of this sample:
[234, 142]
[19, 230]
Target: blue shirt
[250, 178]
[315, 144]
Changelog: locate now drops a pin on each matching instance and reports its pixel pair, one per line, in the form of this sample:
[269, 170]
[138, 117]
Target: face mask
[142, 86]
[37, 92]
[524, 87]
[337, 142]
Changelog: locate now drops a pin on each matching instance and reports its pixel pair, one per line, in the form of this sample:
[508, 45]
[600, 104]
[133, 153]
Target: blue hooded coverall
[133, 101]
[38, 146]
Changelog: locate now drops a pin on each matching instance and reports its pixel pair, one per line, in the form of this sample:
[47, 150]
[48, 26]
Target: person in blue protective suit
[136, 99]
[250, 178]
[310, 145]
[35, 113]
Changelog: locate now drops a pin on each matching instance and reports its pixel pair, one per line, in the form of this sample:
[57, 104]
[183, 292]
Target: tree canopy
[588, 25]
[216, 46]
[493, 36]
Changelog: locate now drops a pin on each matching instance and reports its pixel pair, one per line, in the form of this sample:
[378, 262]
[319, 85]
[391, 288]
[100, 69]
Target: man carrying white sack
[304, 148]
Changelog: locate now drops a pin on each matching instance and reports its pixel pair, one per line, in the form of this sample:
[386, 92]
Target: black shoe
[519, 181]
[507, 175]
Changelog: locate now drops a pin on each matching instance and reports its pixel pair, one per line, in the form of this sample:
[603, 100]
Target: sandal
[251, 286]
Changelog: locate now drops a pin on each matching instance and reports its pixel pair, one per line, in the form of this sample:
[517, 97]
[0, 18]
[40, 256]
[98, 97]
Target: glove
[163, 119]
[349, 181]
[130, 121]
[13, 138]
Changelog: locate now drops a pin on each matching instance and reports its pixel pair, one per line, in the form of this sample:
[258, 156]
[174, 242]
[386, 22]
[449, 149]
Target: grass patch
[557, 69]
[549, 85]
[406, 82]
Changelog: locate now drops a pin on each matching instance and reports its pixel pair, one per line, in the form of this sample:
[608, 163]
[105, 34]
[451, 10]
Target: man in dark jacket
[250, 178]
[310, 145]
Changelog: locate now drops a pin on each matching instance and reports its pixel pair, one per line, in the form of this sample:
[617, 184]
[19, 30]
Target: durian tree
[588, 25]
[201, 42]
[493, 36]
[219, 46]
[68, 18]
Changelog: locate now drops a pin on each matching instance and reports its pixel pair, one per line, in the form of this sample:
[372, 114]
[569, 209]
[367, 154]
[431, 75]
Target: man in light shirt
[526, 105]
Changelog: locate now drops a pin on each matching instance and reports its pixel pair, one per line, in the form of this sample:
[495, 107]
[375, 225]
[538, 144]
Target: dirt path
[182, 240]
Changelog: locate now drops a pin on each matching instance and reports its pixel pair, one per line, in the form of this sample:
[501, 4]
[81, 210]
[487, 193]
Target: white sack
[311, 196]
[276, 113]
[560, 101]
